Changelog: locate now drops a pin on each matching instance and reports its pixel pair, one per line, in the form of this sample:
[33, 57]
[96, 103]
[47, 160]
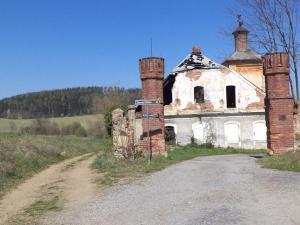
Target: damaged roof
[244, 55]
[195, 60]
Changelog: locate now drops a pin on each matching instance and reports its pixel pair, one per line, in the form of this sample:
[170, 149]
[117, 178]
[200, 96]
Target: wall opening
[230, 96]
[232, 133]
[199, 94]
[168, 85]
[201, 133]
[170, 136]
[259, 131]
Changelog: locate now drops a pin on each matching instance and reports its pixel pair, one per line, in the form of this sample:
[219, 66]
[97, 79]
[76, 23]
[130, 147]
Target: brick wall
[241, 39]
[152, 75]
[279, 103]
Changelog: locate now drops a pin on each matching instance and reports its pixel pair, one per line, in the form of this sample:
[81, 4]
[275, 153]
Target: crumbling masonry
[245, 102]
[279, 103]
[152, 76]
[123, 128]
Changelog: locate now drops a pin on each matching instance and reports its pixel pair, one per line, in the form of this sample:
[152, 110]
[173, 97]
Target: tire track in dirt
[72, 181]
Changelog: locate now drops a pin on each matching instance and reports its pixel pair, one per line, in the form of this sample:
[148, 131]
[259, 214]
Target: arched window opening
[230, 96]
[170, 136]
[199, 94]
[232, 132]
[259, 131]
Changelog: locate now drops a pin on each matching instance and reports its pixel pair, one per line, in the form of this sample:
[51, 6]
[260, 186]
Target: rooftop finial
[239, 20]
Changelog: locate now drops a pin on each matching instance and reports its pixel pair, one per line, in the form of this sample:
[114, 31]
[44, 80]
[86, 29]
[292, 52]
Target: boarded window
[170, 136]
[201, 132]
[199, 94]
[232, 132]
[260, 131]
[230, 96]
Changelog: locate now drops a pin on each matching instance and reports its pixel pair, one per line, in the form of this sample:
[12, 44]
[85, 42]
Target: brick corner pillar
[152, 76]
[279, 103]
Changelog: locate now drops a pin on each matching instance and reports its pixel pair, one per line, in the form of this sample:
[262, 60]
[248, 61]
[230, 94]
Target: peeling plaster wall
[187, 127]
[214, 82]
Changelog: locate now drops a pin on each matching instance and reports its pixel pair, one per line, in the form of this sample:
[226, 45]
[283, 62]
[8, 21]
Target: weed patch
[115, 169]
[289, 161]
[23, 155]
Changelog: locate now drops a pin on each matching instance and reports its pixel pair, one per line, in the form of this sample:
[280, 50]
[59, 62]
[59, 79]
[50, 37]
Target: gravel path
[214, 190]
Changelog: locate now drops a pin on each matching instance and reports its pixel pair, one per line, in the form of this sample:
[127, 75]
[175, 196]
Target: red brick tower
[241, 39]
[279, 103]
[152, 76]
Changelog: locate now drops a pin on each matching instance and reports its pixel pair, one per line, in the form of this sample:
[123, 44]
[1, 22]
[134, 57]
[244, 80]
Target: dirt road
[64, 185]
[216, 190]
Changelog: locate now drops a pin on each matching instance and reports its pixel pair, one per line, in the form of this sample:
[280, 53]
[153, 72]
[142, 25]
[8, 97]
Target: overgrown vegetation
[23, 155]
[289, 161]
[94, 128]
[108, 117]
[116, 169]
[15, 125]
[66, 102]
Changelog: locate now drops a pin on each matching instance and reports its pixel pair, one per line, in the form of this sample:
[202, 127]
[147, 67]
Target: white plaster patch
[214, 82]
[200, 132]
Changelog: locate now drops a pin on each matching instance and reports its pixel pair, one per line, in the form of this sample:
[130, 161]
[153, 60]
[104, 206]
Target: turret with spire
[240, 36]
[244, 60]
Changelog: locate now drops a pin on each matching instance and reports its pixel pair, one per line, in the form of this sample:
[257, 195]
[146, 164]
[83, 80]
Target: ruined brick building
[222, 104]
[244, 102]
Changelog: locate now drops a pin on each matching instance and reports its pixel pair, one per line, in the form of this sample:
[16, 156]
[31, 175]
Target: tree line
[66, 102]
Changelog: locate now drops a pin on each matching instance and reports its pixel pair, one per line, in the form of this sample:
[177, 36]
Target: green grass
[41, 206]
[23, 155]
[289, 161]
[85, 121]
[114, 169]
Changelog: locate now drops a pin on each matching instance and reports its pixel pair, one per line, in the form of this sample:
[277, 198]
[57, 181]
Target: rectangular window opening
[199, 94]
[230, 97]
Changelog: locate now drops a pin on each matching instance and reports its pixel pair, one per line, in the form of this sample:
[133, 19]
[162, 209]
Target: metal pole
[148, 135]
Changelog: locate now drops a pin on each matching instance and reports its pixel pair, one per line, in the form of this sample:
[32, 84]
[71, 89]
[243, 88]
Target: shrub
[13, 126]
[170, 136]
[108, 117]
[74, 129]
[41, 126]
[97, 130]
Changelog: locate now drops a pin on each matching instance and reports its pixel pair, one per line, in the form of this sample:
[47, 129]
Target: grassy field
[116, 169]
[23, 155]
[289, 161]
[12, 125]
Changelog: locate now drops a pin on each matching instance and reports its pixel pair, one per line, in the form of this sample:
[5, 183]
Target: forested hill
[66, 102]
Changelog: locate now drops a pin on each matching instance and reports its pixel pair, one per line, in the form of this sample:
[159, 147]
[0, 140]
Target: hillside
[66, 102]
[14, 125]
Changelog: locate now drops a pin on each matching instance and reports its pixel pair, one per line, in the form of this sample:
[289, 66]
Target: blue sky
[48, 44]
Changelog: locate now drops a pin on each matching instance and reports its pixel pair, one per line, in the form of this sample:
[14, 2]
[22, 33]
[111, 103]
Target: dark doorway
[170, 136]
[230, 96]
[199, 94]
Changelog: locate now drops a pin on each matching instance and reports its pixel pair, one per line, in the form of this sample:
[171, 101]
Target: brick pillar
[241, 39]
[279, 103]
[152, 76]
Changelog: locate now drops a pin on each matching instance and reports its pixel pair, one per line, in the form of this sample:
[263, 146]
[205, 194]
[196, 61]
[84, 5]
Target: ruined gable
[208, 102]
[213, 79]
